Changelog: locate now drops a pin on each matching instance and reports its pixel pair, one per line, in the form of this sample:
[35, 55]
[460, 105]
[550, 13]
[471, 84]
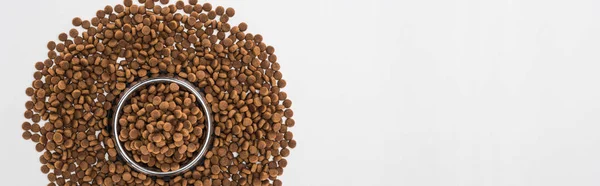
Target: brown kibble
[28, 114]
[230, 12]
[174, 166]
[164, 105]
[155, 114]
[39, 147]
[153, 135]
[26, 135]
[288, 113]
[126, 176]
[146, 29]
[134, 134]
[227, 42]
[57, 137]
[277, 183]
[39, 66]
[77, 21]
[51, 45]
[116, 178]
[156, 138]
[62, 85]
[287, 103]
[74, 91]
[35, 137]
[108, 9]
[247, 122]
[289, 135]
[51, 177]
[285, 152]
[281, 83]
[149, 4]
[192, 77]
[120, 86]
[220, 10]
[262, 145]
[26, 126]
[29, 91]
[119, 8]
[273, 172]
[206, 7]
[236, 130]
[168, 127]
[276, 117]
[177, 137]
[215, 169]
[282, 163]
[200, 75]
[179, 5]
[29, 105]
[165, 167]
[290, 122]
[156, 100]
[187, 102]
[144, 150]
[63, 36]
[45, 169]
[223, 105]
[243, 26]
[253, 159]
[73, 33]
[35, 127]
[173, 87]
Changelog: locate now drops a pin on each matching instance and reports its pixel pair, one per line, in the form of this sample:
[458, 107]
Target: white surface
[419, 93]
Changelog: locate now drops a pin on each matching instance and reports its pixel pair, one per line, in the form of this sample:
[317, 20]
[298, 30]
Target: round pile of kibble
[74, 91]
[162, 126]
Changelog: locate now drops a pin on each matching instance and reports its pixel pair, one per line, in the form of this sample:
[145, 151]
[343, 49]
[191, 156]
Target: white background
[416, 93]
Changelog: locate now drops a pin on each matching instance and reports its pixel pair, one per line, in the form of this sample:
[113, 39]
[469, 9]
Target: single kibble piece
[223, 105]
[174, 87]
[230, 12]
[77, 21]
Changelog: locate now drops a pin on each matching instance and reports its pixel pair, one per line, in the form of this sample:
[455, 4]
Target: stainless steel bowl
[205, 140]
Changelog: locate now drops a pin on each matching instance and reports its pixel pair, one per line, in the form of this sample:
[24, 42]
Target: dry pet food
[162, 126]
[74, 92]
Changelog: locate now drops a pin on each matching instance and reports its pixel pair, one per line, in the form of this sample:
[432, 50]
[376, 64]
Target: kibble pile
[162, 126]
[75, 89]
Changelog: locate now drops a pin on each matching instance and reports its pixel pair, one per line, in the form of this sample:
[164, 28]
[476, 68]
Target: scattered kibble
[88, 67]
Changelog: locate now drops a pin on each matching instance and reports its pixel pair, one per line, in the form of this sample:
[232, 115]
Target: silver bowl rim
[199, 99]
